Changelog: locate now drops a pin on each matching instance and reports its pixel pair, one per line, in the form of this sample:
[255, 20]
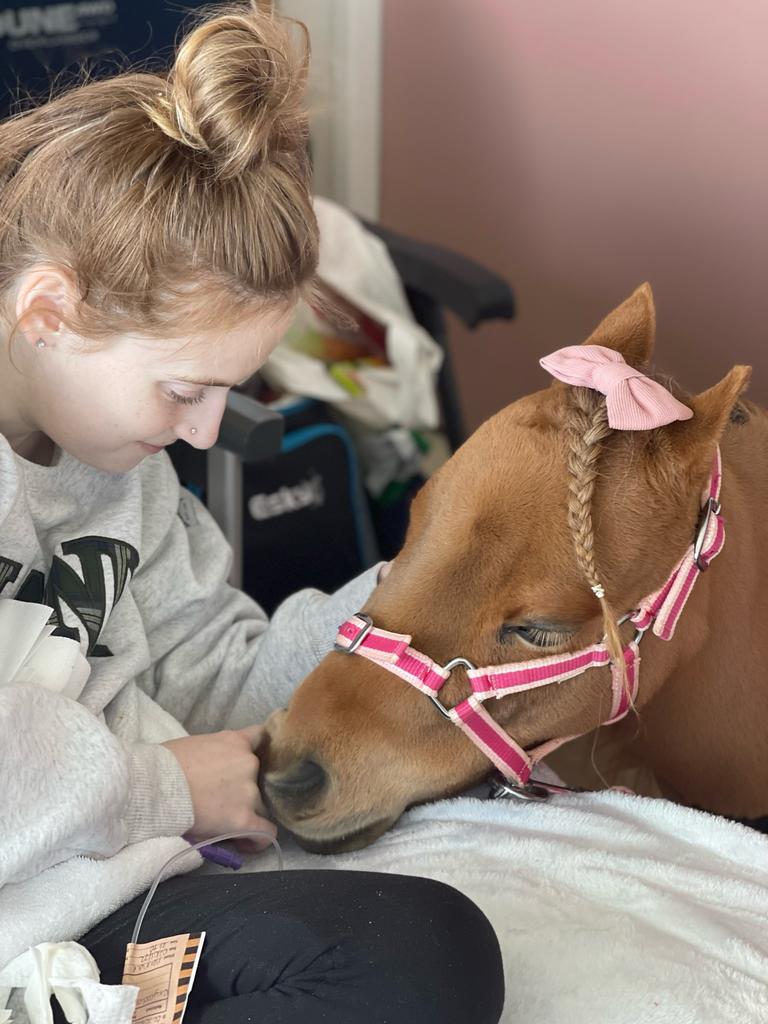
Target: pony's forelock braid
[588, 428]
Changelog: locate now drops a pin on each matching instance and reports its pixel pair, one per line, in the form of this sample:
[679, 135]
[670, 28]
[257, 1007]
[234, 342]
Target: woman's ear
[45, 296]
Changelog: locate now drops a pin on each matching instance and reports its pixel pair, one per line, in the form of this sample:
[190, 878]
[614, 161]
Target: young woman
[156, 232]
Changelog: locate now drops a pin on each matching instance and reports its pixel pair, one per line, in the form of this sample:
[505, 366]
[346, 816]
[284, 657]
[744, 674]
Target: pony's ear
[694, 441]
[630, 329]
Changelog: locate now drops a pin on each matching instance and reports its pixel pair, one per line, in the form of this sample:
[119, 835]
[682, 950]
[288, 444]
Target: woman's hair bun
[236, 88]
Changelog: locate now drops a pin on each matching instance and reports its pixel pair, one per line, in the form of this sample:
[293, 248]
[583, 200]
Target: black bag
[306, 520]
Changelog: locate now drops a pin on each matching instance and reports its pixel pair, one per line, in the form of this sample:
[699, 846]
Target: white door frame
[344, 96]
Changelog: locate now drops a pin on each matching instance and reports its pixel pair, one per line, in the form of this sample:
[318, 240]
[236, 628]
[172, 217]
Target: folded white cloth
[67, 971]
[608, 907]
[32, 655]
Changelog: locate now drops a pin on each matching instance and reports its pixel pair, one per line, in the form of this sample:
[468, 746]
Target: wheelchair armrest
[249, 429]
[452, 281]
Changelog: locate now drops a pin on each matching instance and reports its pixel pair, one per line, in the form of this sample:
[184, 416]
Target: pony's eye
[536, 635]
[541, 637]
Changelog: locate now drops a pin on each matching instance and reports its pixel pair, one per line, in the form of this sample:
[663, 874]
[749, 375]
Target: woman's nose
[200, 427]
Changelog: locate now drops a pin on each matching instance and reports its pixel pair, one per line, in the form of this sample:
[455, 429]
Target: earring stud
[40, 343]
[193, 430]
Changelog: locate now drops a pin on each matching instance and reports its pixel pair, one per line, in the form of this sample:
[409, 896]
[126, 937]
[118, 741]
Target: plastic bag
[385, 381]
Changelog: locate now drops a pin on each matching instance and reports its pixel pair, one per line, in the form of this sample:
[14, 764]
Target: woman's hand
[222, 771]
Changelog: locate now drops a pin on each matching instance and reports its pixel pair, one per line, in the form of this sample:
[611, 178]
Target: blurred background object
[40, 40]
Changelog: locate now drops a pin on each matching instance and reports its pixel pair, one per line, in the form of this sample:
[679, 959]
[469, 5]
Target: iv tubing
[183, 853]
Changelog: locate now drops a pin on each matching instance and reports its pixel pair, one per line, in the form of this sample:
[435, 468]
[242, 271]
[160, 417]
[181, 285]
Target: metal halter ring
[449, 667]
[503, 789]
[639, 633]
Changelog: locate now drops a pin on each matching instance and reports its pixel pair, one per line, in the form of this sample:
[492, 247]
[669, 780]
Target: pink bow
[633, 401]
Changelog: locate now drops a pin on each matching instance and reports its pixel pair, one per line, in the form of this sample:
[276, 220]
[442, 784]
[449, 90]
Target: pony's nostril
[300, 781]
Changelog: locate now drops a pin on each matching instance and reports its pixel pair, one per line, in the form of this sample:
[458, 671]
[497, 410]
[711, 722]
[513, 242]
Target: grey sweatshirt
[135, 568]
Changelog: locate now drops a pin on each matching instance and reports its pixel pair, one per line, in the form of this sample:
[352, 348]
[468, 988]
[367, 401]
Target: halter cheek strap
[659, 612]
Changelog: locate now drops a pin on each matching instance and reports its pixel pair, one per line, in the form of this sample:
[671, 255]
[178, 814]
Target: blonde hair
[588, 429]
[187, 190]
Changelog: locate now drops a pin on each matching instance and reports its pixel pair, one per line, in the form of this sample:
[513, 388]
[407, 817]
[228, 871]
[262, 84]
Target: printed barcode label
[163, 971]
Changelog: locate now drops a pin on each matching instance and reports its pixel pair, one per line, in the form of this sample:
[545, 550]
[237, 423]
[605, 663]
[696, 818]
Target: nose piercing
[40, 343]
[193, 430]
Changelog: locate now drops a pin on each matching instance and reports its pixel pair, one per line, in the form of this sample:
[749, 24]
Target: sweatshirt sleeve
[217, 660]
[69, 787]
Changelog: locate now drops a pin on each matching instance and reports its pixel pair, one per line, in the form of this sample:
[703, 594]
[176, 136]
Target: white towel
[609, 908]
[66, 900]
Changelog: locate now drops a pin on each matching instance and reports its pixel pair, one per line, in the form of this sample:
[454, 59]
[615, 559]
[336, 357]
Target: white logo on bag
[308, 493]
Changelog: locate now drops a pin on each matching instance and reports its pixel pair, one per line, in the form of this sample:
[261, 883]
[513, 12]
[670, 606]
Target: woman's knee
[424, 950]
[442, 950]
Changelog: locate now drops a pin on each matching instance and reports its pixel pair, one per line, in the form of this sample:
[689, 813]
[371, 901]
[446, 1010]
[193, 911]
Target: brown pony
[504, 545]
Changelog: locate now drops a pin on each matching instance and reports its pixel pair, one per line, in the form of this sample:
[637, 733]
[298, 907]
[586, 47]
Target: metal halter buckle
[712, 507]
[364, 631]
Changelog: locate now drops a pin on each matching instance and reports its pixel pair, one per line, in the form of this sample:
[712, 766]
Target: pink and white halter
[659, 612]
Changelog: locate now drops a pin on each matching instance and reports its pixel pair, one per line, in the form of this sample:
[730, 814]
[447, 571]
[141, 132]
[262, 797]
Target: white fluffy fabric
[609, 908]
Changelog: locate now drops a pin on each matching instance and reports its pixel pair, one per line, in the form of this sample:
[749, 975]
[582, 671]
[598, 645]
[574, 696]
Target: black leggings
[337, 947]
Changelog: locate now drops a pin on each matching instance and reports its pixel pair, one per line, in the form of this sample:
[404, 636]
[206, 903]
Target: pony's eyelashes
[535, 634]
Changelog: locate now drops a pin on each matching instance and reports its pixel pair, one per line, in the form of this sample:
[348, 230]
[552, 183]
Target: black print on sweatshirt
[9, 571]
[86, 594]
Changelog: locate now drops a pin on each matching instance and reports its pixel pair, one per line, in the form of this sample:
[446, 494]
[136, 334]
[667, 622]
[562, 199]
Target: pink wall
[580, 147]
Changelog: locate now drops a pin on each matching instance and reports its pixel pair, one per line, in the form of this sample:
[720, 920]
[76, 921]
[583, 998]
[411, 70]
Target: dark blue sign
[39, 40]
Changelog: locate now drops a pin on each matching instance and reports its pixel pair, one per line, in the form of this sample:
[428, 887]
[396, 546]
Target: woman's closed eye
[186, 399]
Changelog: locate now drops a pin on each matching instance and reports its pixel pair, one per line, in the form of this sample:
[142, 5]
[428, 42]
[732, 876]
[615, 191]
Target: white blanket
[610, 909]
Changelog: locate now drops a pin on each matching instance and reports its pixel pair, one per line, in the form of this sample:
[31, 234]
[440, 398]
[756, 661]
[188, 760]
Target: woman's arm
[68, 786]
[218, 661]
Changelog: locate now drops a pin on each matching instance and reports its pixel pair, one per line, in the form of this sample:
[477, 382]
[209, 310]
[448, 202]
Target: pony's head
[509, 549]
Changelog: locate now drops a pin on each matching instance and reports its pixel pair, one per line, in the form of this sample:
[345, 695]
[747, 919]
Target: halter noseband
[659, 613]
